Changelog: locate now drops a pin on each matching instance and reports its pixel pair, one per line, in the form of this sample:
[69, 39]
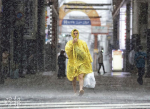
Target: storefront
[123, 33]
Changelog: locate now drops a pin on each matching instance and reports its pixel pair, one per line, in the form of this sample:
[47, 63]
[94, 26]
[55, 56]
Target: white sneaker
[81, 92]
[75, 94]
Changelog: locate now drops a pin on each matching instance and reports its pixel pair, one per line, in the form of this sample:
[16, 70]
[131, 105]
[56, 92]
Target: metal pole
[148, 43]
[135, 25]
[128, 35]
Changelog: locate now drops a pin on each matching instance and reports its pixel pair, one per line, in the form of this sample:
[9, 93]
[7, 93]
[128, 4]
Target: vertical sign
[0, 7]
[46, 29]
[131, 23]
[122, 32]
[48, 25]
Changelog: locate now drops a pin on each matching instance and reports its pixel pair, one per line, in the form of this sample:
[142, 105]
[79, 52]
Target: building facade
[22, 32]
[136, 28]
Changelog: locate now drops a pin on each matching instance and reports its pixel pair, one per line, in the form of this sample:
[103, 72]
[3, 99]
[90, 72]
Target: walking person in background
[79, 63]
[61, 64]
[5, 63]
[100, 62]
[131, 60]
[139, 58]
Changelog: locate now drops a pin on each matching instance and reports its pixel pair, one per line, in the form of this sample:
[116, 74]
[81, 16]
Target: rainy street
[74, 54]
[41, 91]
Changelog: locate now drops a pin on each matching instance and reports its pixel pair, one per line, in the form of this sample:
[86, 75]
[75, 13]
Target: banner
[76, 22]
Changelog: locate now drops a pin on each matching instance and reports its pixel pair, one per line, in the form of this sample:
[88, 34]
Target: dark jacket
[61, 59]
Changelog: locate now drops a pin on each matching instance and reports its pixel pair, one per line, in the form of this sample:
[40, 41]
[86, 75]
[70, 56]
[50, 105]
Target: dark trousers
[101, 64]
[61, 70]
[30, 69]
[5, 71]
[141, 72]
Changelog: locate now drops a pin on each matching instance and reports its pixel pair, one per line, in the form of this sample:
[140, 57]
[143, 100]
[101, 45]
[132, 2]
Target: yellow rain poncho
[79, 58]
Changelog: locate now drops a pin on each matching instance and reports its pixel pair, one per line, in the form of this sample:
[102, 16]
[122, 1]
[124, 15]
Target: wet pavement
[44, 90]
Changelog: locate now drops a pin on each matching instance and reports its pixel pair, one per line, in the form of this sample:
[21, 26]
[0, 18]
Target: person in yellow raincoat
[79, 63]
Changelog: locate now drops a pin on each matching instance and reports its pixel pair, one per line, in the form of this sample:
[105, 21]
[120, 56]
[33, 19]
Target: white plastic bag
[89, 81]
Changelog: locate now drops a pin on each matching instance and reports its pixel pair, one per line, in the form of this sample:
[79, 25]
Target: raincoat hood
[73, 34]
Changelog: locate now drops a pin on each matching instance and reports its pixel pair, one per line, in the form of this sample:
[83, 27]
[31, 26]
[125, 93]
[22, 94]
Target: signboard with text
[76, 22]
[99, 30]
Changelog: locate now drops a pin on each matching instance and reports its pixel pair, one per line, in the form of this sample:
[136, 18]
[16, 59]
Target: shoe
[105, 72]
[98, 73]
[140, 81]
[81, 92]
[75, 94]
[22, 76]
[58, 77]
[2, 80]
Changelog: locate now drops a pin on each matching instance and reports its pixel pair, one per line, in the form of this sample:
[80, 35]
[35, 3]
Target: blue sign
[76, 22]
[19, 15]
